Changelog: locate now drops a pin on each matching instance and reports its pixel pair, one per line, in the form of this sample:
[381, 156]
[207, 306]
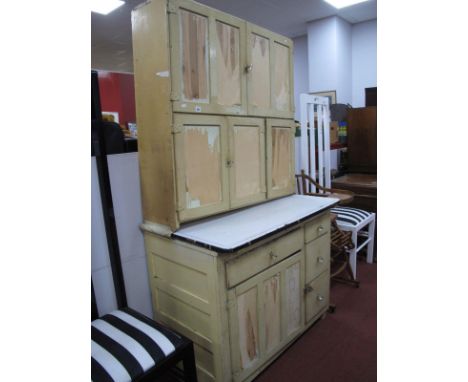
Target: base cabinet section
[240, 309]
[265, 313]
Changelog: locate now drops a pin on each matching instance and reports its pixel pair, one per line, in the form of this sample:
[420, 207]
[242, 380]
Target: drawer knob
[248, 68]
[320, 228]
[320, 259]
[308, 289]
[320, 298]
[273, 256]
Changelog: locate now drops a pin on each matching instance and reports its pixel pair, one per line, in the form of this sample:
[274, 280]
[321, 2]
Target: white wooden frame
[308, 103]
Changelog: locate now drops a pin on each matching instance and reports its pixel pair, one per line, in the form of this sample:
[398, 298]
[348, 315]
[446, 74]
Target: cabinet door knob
[248, 68]
[320, 259]
[229, 163]
[308, 289]
[320, 298]
[320, 228]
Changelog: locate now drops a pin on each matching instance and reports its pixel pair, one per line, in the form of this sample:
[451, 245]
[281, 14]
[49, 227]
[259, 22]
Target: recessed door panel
[247, 159]
[281, 78]
[202, 183]
[260, 71]
[280, 157]
[228, 70]
[194, 48]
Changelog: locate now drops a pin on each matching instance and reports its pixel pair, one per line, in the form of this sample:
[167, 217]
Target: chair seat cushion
[350, 216]
[125, 344]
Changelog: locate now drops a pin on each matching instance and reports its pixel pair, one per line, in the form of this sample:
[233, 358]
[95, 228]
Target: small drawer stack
[317, 266]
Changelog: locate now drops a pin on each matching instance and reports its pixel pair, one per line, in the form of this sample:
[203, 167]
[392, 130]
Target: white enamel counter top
[233, 230]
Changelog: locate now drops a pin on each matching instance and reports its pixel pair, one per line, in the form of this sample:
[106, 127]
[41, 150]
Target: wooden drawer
[317, 294]
[317, 227]
[251, 263]
[317, 254]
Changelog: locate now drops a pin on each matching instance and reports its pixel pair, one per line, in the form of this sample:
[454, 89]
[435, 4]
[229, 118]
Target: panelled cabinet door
[246, 160]
[265, 313]
[269, 73]
[280, 157]
[190, 74]
[207, 59]
[228, 79]
[201, 169]
[282, 89]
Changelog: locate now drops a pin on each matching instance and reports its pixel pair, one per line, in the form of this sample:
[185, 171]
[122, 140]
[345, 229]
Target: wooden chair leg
[190, 370]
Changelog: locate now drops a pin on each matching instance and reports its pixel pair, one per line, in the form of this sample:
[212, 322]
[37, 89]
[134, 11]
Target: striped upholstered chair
[128, 346]
[362, 226]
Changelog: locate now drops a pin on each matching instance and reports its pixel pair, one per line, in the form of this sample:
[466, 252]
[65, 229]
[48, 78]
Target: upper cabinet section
[207, 60]
[214, 110]
[269, 73]
[223, 65]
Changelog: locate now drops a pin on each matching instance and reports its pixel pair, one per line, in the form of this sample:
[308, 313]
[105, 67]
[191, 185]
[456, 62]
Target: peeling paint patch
[165, 73]
[192, 203]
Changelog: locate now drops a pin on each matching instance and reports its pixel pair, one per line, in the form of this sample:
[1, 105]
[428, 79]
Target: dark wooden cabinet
[362, 140]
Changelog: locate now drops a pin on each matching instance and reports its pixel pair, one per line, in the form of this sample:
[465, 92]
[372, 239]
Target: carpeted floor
[343, 346]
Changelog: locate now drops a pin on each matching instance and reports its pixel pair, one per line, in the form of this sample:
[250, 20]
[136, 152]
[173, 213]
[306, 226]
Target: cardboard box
[334, 128]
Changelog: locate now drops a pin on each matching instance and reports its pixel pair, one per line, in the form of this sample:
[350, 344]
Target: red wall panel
[117, 91]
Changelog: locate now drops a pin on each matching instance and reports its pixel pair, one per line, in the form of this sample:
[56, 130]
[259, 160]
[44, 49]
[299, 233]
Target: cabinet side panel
[154, 112]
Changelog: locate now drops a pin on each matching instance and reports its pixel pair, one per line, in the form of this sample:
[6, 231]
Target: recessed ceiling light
[343, 3]
[105, 6]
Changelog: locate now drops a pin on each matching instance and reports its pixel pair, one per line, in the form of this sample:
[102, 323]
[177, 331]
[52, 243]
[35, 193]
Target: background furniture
[362, 140]
[304, 184]
[361, 224]
[362, 161]
[364, 188]
[244, 285]
[341, 244]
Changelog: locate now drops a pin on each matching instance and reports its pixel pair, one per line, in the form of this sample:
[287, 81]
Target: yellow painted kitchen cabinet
[240, 308]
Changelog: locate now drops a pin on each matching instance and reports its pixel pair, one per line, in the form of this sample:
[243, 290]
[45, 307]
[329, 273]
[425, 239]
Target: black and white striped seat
[350, 216]
[125, 344]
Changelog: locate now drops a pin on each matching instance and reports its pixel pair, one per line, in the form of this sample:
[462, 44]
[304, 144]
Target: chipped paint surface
[281, 154]
[164, 73]
[247, 160]
[202, 165]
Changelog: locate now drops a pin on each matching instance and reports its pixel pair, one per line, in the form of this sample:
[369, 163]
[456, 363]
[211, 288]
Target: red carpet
[343, 346]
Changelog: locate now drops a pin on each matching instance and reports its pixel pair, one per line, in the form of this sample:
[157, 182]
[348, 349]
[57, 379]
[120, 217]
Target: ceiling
[111, 35]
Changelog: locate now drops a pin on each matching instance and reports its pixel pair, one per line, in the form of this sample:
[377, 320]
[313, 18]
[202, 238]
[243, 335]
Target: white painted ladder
[312, 163]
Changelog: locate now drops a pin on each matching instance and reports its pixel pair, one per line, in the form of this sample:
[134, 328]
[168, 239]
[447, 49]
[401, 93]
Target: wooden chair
[361, 225]
[341, 244]
[304, 182]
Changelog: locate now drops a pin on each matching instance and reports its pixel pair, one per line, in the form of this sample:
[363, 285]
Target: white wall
[301, 71]
[343, 59]
[321, 53]
[364, 60]
[125, 185]
[100, 265]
